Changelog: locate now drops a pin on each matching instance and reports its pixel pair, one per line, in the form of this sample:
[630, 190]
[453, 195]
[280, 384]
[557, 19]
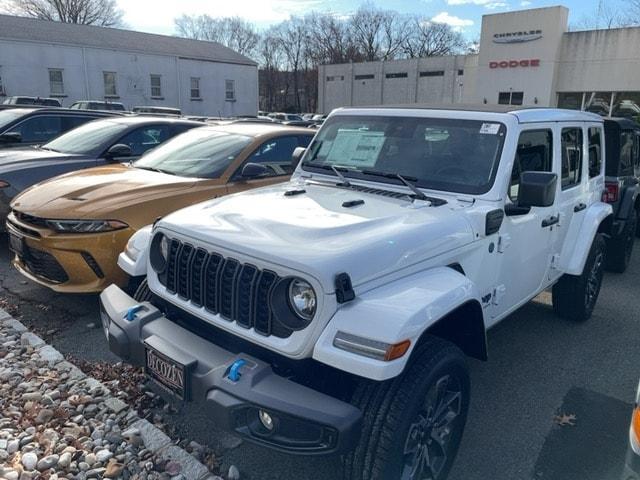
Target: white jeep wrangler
[333, 313]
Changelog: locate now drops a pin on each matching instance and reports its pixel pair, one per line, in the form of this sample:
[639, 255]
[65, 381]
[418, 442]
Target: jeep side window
[637, 155]
[534, 154]
[571, 148]
[627, 140]
[595, 151]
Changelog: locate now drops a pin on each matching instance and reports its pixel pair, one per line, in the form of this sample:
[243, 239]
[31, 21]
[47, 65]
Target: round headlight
[159, 252]
[302, 298]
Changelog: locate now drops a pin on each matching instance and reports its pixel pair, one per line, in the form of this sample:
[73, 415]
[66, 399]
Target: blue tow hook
[131, 313]
[234, 371]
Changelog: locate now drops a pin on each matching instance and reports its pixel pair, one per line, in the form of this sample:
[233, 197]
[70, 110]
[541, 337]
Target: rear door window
[595, 151]
[276, 154]
[627, 154]
[39, 129]
[571, 148]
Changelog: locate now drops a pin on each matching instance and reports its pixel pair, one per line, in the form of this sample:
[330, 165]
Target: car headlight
[85, 226]
[302, 298]
[159, 252]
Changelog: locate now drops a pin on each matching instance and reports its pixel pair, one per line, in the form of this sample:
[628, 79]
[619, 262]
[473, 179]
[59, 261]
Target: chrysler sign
[517, 37]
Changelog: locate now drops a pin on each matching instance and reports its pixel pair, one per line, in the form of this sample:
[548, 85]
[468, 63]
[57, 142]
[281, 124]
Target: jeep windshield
[451, 155]
[201, 152]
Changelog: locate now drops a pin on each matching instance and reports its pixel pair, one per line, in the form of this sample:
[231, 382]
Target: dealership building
[82, 62]
[527, 57]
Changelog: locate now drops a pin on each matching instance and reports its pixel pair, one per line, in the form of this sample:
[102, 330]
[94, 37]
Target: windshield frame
[306, 165]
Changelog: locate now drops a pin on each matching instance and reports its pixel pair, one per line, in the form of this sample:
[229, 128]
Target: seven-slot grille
[238, 292]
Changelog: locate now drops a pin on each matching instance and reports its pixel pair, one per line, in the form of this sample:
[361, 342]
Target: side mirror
[11, 137]
[119, 150]
[537, 189]
[254, 170]
[296, 156]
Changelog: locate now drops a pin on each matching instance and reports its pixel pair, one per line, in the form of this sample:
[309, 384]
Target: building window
[195, 87]
[595, 151]
[432, 73]
[598, 102]
[369, 76]
[156, 86]
[56, 83]
[230, 90]
[571, 146]
[397, 75]
[110, 88]
[510, 98]
[627, 104]
[460, 72]
[333, 78]
[2, 91]
[570, 100]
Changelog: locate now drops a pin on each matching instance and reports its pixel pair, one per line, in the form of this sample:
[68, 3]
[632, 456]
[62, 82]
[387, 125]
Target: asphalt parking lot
[540, 366]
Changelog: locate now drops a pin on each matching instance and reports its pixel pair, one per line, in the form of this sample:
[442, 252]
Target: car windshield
[202, 153]
[440, 154]
[8, 116]
[88, 138]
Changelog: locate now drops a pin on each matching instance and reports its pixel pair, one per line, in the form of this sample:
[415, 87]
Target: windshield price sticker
[356, 148]
[490, 128]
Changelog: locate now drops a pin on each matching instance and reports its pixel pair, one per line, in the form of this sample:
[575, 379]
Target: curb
[154, 439]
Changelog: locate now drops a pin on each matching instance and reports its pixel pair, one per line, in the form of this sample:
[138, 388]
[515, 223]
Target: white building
[81, 62]
[526, 57]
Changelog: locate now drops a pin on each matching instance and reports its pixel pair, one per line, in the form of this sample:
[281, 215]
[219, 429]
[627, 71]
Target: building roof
[36, 30]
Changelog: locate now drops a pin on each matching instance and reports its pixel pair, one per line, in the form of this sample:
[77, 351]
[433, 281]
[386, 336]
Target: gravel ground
[56, 422]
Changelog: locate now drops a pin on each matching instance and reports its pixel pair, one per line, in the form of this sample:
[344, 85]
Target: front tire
[574, 296]
[413, 424]
[619, 249]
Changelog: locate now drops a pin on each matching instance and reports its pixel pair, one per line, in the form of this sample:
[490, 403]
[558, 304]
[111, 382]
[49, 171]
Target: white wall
[24, 71]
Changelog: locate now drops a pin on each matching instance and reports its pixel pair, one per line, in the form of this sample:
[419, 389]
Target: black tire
[574, 296]
[397, 409]
[619, 249]
[143, 294]
[638, 223]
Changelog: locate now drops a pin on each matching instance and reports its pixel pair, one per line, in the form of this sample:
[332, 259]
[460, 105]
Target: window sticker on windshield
[356, 148]
[490, 128]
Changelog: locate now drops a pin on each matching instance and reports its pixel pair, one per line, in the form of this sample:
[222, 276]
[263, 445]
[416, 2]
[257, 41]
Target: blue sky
[465, 15]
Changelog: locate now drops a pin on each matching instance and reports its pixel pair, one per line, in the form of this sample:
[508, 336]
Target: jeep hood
[98, 192]
[315, 234]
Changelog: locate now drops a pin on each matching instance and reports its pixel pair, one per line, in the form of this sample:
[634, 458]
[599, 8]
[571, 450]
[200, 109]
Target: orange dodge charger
[67, 232]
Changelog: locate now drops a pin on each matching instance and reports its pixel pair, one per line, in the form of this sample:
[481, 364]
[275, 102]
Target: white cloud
[525, 3]
[495, 5]
[263, 12]
[456, 22]
[469, 2]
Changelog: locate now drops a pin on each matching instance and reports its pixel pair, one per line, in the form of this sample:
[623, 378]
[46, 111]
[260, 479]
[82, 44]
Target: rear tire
[412, 424]
[638, 223]
[619, 249]
[575, 296]
[143, 294]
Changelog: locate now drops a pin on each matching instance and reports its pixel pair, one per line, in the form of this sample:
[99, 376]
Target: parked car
[151, 110]
[332, 313]
[288, 117]
[81, 238]
[23, 127]
[101, 142]
[97, 105]
[40, 101]
[621, 188]
[632, 464]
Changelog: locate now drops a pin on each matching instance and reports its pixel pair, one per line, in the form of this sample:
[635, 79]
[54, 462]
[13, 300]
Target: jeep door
[525, 237]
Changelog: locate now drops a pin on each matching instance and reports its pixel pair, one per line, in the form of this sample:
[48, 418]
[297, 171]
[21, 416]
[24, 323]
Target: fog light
[266, 420]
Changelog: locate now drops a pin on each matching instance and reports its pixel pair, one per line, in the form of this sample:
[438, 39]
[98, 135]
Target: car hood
[97, 192]
[17, 158]
[315, 233]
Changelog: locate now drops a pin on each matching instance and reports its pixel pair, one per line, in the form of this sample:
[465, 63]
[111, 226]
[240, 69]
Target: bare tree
[232, 32]
[378, 34]
[431, 39]
[104, 13]
[609, 15]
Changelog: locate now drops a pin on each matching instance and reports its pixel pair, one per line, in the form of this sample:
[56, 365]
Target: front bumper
[306, 421]
[68, 263]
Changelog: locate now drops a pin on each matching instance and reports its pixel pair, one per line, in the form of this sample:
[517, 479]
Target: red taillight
[611, 192]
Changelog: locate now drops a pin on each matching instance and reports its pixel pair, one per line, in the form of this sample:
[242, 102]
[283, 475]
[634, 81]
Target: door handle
[579, 207]
[552, 220]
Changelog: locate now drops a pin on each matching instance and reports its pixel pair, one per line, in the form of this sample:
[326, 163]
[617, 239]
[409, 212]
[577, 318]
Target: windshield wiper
[335, 169]
[49, 149]
[153, 169]
[407, 181]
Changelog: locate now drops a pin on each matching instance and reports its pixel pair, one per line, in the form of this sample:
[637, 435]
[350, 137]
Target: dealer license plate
[16, 243]
[167, 372]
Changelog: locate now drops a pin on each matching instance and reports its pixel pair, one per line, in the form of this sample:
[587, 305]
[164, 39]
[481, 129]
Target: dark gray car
[117, 139]
[622, 171]
[24, 127]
